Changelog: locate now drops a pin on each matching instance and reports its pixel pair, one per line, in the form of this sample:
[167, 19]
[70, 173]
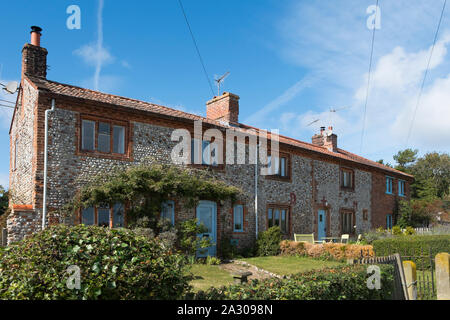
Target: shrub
[327, 251]
[397, 231]
[212, 261]
[268, 243]
[114, 264]
[187, 237]
[227, 249]
[343, 283]
[410, 231]
[415, 245]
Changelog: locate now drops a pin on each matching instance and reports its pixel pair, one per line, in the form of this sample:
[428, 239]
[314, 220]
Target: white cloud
[331, 39]
[92, 55]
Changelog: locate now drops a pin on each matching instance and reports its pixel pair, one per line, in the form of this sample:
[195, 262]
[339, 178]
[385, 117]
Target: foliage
[146, 187]
[416, 245]
[409, 231]
[372, 235]
[268, 243]
[405, 159]
[342, 283]
[187, 237]
[397, 231]
[326, 251]
[114, 264]
[227, 249]
[212, 261]
[418, 212]
[4, 210]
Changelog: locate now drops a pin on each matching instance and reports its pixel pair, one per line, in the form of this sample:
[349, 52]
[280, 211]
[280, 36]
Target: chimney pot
[36, 36]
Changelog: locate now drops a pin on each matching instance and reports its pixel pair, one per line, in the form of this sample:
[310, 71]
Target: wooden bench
[304, 238]
[241, 276]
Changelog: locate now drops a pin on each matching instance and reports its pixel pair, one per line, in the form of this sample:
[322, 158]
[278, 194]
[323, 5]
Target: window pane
[87, 135]
[206, 152]
[118, 215]
[104, 137]
[283, 167]
[119, 139]
[277, 217]
[283, 221]
[167, 211]
[87, 216]
[103, 217]
[238, 218]
[270, 218]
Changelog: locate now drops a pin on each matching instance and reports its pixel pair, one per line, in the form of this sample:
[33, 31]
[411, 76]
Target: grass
[286, 265]
[209, 276]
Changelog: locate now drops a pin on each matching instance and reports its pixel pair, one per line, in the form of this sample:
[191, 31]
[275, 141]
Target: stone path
[257, 273]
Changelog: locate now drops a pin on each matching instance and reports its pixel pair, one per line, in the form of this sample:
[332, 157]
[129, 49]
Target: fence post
[409, 269]
[443, 276]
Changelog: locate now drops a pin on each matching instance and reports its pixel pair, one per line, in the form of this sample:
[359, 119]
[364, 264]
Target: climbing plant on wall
[145, 187]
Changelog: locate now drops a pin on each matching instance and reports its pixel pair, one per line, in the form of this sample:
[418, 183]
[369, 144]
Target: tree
[4, 198]
[405, 159]
[432, 175]
[381, 161]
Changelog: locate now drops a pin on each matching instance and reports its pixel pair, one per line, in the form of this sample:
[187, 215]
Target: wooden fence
[400, 288]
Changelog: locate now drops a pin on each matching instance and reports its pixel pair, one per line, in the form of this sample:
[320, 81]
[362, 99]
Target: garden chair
[345, 238]
[359, 239]
[304, 238]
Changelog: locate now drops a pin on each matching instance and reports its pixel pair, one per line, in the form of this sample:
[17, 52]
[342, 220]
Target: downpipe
[44, 200]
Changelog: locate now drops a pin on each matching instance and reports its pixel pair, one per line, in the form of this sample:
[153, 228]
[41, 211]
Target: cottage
[316, 187]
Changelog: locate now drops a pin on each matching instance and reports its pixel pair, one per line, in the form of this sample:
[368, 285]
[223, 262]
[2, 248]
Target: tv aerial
[10, 87]
[219, 81]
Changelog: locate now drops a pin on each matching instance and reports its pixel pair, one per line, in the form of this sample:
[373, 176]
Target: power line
[426, 73]
[196, 47]
[8, 101]
[4, 105]
[368, 79]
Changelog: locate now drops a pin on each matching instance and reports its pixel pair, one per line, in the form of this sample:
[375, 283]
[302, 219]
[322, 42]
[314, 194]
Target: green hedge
[415, 245]
[344, 283]
[114, 264]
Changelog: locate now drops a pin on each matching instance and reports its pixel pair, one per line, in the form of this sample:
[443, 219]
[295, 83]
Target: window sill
[220, 167]
[348, 189]
[113, 156]
[278, 178]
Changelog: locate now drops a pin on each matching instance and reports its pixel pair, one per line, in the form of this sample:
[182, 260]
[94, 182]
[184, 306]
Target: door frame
[213, 249]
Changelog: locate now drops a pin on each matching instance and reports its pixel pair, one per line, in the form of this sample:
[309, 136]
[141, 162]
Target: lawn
[286, 265]
[209, 276]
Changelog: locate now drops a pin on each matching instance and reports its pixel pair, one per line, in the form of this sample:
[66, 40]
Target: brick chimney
[34, 57]
[326, 138]
[224, 107]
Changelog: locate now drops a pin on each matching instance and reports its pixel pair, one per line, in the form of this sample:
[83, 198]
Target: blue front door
[321, 230]
[206, 215]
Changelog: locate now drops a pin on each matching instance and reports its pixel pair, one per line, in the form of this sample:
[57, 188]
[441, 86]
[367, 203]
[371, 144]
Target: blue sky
[290, 62]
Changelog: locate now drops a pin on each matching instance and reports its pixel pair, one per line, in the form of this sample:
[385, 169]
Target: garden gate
[400, 289]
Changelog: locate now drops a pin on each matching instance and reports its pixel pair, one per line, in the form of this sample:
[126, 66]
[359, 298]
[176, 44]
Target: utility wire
[4, 105]
[8, 101]
[425, 75]
[196, 47]
[368, 79]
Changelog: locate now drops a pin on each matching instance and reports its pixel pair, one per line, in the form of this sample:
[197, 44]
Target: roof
[83, 93]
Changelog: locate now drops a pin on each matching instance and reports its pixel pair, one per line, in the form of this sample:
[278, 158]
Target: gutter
[44, 205]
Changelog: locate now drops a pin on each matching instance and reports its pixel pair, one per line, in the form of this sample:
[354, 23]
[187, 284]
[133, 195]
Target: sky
[290, 62]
